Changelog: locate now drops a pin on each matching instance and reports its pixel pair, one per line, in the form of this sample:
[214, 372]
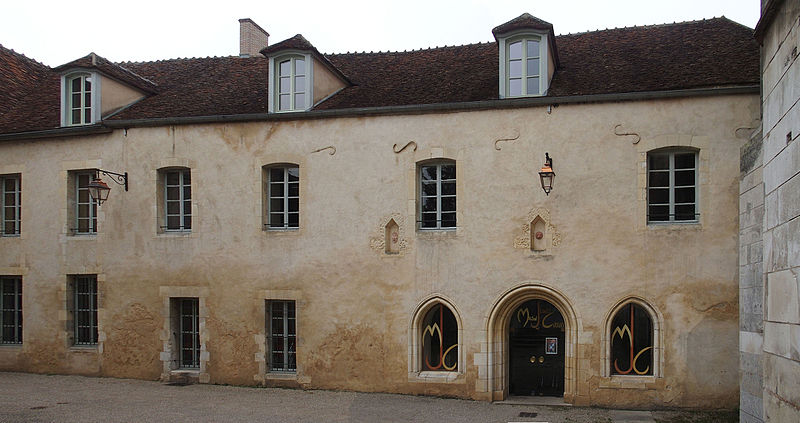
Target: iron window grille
[282, 339]
[85, 310]
[189, 340]
[11, 309]
[11, 204]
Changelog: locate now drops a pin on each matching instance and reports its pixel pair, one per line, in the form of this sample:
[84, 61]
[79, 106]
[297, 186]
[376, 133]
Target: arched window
[439, 341]
[632, 341]
[523, 65]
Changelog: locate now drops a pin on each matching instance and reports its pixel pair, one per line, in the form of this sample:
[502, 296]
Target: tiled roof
[25, 100]
[699, 54]
[93, 61]
[298, 42]
[523, 21]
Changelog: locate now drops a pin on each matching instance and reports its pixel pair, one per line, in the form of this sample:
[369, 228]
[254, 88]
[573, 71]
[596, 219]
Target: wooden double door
[536, 350]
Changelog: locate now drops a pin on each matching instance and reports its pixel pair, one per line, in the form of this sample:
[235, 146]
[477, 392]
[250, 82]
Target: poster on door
[551, 345]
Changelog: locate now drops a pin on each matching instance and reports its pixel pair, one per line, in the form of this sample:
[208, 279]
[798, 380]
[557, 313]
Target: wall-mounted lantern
[547, 175]
[99, 190]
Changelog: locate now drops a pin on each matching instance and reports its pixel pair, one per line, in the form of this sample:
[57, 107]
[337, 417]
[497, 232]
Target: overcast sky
[59, 31]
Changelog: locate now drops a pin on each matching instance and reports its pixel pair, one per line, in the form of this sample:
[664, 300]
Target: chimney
[252, 38]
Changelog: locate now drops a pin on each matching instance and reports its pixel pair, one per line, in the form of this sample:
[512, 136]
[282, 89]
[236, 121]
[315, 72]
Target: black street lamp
[547, 175]
[99, 190]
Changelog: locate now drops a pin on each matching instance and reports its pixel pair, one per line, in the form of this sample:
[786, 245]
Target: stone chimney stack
[252, 38]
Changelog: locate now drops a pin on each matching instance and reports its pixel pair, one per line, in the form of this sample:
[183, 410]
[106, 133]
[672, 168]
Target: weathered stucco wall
[781, 242]
[355, 303]
[116, 95]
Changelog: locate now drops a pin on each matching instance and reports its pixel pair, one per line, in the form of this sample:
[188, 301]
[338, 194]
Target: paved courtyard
[47, 398]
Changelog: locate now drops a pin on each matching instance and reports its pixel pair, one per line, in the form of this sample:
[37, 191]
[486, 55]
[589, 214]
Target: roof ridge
[23, 56]
[649, 26]
[409, 51]
[175, 59]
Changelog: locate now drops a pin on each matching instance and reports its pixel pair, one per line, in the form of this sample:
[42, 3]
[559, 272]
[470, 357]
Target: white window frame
[92, 213]
[16, 207]
[544, 71]
[438, 165]
[671, 152]
[66, 98]
[15, 310]
[183, 213]
[274, 82]
[285, 197]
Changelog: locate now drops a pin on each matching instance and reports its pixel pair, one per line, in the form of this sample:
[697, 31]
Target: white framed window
[10, 310]
[79, 99]
[282, 194]
[84, 309]
[290, 83]
[11, 204]
[672, 194]
[523, 66]
[282, 339]
[177, 199]
[85, 208]
[437, 195]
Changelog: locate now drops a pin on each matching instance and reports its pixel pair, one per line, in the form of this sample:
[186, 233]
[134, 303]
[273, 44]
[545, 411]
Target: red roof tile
[523, 21]
[700, 54]
[93, 61]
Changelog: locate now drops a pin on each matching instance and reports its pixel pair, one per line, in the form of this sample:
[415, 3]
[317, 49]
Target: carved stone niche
[389, 236]
[538, 234]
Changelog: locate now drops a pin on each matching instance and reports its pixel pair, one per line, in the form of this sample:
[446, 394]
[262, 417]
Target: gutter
[416, 109]
[72, 131]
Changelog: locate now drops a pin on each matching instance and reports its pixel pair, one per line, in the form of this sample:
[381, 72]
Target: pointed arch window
[439, 340]
[632, 341]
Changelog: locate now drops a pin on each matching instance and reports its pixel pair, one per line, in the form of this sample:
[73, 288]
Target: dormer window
[79, 99]
[527, 56]
[292, 84]
[523, 67]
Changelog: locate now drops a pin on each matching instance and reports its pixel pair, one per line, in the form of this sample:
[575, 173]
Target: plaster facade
[357, 300]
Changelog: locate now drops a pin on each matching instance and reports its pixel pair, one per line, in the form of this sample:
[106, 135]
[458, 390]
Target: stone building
[769, 260]
[377, 221]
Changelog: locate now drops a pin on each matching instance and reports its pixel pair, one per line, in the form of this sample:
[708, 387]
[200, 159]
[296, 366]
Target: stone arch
[497, 339]
[658, 334]
[415, 332]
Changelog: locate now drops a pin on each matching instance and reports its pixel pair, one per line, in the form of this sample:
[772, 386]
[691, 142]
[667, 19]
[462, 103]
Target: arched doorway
[536, 350]
[498, 347]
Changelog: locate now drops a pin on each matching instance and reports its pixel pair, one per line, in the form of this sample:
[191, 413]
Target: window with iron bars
[282, 339]
[11, 310]
[84, 309]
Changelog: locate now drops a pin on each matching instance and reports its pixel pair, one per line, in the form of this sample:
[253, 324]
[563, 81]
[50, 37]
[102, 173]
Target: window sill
[280, 376]
[436, 377]
[175, 234]
[83, 236]
[665, 226]
[83, 349]
[635, 382]
[281, 231]
[9, 236]
[10, 346]
[438, 233]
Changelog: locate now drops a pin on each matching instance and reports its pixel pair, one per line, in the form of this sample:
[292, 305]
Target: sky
[57, 32]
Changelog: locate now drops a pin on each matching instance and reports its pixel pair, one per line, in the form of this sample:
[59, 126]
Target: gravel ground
[49, 398]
